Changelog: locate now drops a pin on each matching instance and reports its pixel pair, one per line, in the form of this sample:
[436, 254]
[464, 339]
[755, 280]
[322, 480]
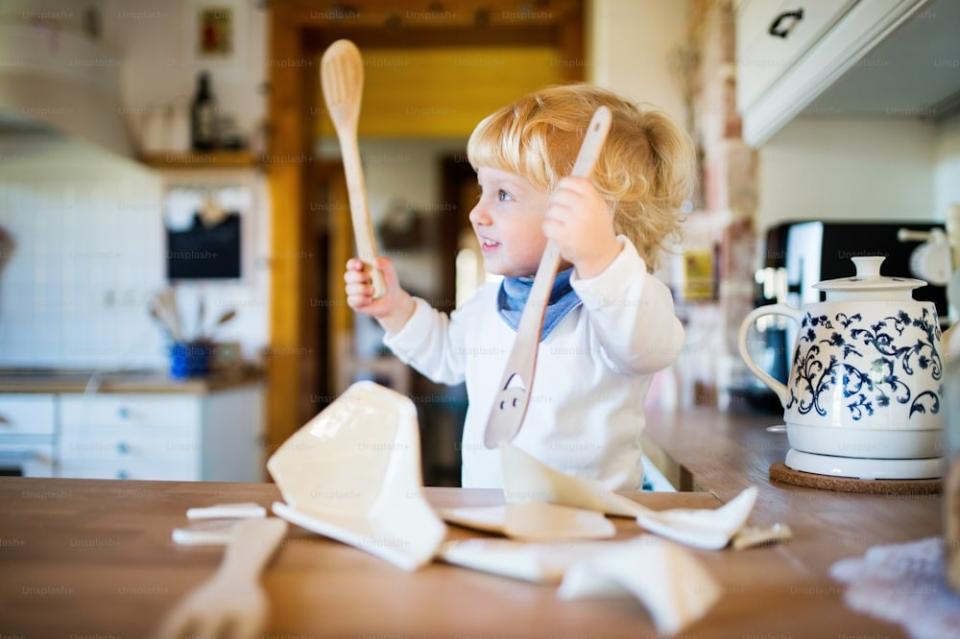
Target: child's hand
[579, 221]
[393, 309]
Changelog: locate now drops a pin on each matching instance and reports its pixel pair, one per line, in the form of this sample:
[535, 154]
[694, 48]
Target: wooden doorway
[307, 252]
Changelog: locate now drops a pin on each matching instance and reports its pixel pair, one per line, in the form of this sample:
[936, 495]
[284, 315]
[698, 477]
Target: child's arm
[418, 334]
[632, 312]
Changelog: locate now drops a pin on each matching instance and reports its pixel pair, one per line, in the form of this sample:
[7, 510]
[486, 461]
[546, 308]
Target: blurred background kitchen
[174, 223]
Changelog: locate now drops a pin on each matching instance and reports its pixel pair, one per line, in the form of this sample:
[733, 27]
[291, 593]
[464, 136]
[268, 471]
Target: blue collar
[513, 294]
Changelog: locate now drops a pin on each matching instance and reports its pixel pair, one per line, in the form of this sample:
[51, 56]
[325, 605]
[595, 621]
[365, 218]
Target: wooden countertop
[86, 557]
[76, 381]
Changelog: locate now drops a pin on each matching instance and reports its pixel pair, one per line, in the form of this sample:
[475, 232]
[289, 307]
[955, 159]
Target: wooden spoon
[341, 77]
[513, 394]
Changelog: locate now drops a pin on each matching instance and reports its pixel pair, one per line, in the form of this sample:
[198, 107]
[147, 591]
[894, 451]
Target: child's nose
[478, 215]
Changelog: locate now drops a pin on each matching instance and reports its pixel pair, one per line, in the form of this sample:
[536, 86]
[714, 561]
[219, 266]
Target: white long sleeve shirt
[585, 412]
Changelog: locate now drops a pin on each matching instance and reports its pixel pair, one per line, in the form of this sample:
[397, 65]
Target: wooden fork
[232, 602]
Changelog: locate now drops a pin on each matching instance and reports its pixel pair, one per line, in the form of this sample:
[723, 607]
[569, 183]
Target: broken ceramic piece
[667, 579]
[534, 521]
[526, 478]
[752, 536]
[491, 519]
[352, 473]
[538, 563]
[701, 528]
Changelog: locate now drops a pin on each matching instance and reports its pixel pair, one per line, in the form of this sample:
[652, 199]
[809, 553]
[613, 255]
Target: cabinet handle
[123, 412]
[792, 19]
[123, 448]
[4, 421]
[122, 474]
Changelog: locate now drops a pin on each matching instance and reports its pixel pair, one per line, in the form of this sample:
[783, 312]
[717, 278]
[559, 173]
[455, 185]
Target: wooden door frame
[296, 29]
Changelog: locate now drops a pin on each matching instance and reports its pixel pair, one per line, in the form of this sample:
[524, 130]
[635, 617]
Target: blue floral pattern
[890, 357]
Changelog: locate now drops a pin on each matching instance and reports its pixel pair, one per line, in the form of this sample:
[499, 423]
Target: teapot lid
[868, 278]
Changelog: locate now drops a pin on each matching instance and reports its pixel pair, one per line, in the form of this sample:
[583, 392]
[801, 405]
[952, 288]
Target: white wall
[847, 168]
[947, 175]
[156, 41]
[630, 47]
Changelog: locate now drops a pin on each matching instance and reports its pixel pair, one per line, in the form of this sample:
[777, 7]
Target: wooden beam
[426, 37]
[284, 160]
[494, 14]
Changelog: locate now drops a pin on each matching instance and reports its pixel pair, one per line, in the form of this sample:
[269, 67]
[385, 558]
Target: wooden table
[94, 558]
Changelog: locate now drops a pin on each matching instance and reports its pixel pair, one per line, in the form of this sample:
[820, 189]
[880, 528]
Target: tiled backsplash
[85, 260]
[89, 253]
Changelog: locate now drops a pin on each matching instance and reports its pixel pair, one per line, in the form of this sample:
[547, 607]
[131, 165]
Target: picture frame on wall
[215, 31]
[220, 36]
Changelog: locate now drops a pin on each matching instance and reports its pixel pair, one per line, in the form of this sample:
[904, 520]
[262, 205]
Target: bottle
[203, 115]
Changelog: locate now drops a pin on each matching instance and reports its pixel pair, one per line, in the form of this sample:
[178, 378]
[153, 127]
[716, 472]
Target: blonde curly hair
[645, 170]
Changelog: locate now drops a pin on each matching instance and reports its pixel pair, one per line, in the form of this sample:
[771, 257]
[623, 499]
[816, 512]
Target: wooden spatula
[513, 393]
[341, 77]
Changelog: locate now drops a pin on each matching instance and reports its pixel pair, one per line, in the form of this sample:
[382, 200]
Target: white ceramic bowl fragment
[533, 521]
[527, 479]
[670, 582]
[353, 474]
[543, 563]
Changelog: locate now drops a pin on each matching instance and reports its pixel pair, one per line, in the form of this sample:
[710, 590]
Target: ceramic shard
[353, 474]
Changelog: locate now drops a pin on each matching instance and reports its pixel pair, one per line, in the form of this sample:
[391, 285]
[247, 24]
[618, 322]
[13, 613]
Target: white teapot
[867, 369]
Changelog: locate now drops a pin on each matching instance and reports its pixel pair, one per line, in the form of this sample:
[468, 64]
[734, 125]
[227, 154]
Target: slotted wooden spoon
[513, 393]
[341, 77]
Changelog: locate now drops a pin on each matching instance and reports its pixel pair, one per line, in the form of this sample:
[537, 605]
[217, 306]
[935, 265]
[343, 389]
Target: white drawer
[27, 414]
[122, 470]
[763, 57]
[123, 410]
[137, 442]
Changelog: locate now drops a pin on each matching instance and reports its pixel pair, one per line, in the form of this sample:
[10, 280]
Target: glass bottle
[203, 115]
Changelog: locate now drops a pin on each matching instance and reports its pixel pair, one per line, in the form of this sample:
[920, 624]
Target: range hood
[53, 78]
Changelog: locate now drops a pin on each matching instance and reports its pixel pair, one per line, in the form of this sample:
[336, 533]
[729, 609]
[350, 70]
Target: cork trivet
[782, 473]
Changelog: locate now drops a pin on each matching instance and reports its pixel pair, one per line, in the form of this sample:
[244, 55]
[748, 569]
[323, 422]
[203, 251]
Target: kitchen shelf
[202, 160]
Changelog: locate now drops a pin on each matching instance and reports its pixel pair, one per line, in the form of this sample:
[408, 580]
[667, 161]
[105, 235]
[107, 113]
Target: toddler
[610, 324]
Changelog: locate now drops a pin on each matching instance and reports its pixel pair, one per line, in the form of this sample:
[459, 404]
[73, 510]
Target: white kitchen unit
[27, 434]
[215, 436]
[789, 52]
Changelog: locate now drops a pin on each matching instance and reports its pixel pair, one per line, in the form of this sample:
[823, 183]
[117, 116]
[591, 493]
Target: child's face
[508, 221]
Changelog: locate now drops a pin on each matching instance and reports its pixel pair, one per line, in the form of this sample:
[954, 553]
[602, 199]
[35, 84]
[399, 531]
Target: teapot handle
[945, 338]
[771, 309]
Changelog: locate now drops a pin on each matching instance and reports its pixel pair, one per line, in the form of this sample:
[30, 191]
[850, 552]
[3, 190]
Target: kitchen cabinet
[789, 52]
[27, 434]
[188, 434]
[213, 437]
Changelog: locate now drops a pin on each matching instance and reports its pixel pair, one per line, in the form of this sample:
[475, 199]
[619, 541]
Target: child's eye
[503, 196]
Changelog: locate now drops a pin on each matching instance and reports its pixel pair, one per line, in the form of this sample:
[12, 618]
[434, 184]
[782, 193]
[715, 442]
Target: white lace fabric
[904, 584]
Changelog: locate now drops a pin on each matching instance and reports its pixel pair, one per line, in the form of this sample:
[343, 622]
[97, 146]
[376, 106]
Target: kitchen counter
[76, 381]
[87, 557]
